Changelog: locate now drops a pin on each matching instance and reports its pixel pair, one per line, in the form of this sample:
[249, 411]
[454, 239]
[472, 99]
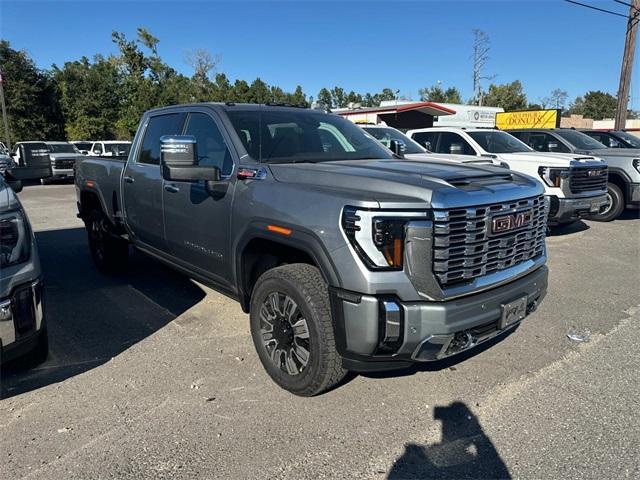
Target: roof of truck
[241, 106]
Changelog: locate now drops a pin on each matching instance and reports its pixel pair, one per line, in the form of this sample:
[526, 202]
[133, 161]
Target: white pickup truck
[575, 184]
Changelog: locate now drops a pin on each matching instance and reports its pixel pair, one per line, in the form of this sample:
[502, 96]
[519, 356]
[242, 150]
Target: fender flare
[300, 239]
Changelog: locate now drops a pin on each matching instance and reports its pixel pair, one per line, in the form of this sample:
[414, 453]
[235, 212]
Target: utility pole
[627, 64]
[4, 112]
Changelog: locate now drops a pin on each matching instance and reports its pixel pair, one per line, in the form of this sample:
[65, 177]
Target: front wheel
[292, 330]
[614, 208]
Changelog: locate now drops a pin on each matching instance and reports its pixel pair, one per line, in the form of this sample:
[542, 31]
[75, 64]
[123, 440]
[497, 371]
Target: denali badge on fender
[506, 223]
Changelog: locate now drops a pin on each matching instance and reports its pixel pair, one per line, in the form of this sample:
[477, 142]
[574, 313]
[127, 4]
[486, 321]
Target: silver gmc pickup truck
[345, 256]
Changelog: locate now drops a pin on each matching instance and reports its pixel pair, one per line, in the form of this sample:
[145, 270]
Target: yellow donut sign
[528, 119]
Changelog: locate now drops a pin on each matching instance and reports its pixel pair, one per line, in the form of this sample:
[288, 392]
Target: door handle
[128, 179]
[171, 188]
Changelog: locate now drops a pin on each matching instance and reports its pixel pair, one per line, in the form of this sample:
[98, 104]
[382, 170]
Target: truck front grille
[64, 163]
[588, 179]
[464, 247]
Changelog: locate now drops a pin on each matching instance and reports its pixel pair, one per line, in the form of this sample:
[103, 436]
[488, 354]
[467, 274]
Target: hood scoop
[481, 180]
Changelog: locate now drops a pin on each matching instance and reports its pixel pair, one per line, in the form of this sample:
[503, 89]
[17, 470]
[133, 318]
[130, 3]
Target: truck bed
[105, 173]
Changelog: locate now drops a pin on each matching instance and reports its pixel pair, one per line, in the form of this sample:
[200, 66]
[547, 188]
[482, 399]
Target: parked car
[345, 257]
[623, 187]
[110, 148]
[399, 143]
[614, 138]
[7, 164]
[83, 146]
[23, 330]
[575, 184]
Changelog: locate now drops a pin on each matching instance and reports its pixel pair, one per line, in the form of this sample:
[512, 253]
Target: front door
[197, 222]
[142, 182]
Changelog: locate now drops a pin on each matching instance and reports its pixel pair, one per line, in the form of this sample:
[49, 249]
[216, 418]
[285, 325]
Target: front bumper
[633, 195]
[566, 210]
[62, 173]
[425, 331]
[21, 319]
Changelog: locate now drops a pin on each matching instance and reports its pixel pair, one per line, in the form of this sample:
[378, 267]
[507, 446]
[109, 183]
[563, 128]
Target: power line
[596, 8]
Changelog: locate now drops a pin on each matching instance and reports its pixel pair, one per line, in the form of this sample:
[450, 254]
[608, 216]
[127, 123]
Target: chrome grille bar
[465, 249]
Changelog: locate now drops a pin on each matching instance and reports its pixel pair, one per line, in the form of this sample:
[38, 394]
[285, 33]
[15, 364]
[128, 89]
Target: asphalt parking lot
[152, 375]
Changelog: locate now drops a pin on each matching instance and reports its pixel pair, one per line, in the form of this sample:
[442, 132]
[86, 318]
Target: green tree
[325, 98]
[338, 97]
[599, 105]
[89, 96]
[31, 97]
[509, 96]
[259, 92]
[437, 94]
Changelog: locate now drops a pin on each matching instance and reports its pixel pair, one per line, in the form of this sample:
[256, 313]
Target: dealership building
[405, 115]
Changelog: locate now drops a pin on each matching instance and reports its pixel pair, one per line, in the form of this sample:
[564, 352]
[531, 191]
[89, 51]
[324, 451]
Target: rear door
[196, 223]
[142, 181]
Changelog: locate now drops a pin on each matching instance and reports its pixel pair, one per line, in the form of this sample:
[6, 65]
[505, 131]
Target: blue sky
[359, 45]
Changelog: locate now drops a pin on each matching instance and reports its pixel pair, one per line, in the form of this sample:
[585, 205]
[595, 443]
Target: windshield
[62, 148]
[117, 149]
[632, 140]
[385, 135]
[580, 140]
[302, 136]
[494, 141]
[83, 145]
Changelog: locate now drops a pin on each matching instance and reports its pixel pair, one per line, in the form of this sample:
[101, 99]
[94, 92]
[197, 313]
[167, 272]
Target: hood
[54, 156]
[410, 183]
[552, 159]
[470, 159]
[616, 152]
[8, 199]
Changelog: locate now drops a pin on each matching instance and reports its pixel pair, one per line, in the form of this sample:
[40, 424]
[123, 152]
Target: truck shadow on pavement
[464, 451]
[92, 317]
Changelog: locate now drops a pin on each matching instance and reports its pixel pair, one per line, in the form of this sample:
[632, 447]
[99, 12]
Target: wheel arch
[259, 250]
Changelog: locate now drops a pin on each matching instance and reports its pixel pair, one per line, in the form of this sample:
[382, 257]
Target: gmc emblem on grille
[593, 173]
[506, 223]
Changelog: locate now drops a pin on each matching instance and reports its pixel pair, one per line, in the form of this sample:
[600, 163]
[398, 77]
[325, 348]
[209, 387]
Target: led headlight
[636, 164]
[553, 176]
[15, 241]
[378, 235]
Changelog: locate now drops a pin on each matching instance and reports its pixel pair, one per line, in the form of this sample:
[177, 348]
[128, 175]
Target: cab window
[453, 143]
[97, 148]
[543, 142]
[169, 124]
[212, 149]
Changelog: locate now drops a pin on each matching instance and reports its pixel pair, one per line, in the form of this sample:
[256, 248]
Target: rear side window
[170, 124]
[543, 142]
[97, 148]
[453, 143]
[212, 149]
[426, 139]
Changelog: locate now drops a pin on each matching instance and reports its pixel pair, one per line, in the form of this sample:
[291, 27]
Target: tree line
[104, 98]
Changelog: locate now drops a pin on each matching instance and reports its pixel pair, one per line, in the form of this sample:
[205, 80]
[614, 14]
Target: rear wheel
[614, 208]
[292, 330]
[109, 253]
[45, 181]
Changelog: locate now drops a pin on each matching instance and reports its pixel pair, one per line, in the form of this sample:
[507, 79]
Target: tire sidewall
[618, 204]
[269, 283]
